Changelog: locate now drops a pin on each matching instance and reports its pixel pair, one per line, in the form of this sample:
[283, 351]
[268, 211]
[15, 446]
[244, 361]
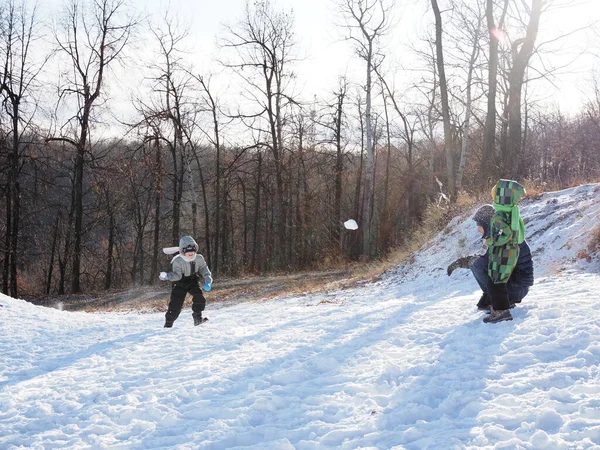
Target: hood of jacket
[507, 193]
[187, 241]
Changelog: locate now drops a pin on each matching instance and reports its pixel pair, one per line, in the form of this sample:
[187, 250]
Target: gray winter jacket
[183, 268]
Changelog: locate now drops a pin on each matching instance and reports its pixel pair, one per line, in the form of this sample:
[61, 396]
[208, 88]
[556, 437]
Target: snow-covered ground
[405, 362]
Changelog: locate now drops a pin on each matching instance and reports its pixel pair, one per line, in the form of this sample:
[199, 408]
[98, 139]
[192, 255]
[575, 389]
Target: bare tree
[489, 138]
[469, 31]
[407, 132]
[210, 104]
[356, 242]
[140, 196]
[18, 32]
[92, 39]
[367, 22]
[521, 51]
[338, 121]
[448, 141]
[334, 121]
[259, 49]
[255, 255]
[427, 116]
[170, 82]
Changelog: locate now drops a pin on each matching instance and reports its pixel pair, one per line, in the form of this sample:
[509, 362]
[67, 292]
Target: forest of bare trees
[260, 175]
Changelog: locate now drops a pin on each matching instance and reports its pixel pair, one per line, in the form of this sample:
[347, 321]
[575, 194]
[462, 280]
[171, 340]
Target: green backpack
[507, 230]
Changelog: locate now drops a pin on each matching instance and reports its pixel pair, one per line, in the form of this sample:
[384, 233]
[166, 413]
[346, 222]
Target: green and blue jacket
[507, 230]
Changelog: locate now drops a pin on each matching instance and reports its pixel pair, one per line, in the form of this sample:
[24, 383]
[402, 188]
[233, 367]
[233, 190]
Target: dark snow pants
[500, 295]
[178, 292]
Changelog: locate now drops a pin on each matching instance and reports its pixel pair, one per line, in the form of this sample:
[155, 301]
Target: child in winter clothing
[507, 231]
[504, 269]
[521, 278]
[188, 267]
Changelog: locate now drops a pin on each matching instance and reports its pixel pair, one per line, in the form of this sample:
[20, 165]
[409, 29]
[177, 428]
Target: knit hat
[483, 217]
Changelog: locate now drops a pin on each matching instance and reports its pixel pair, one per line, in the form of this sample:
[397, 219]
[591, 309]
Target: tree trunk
[253, 263]
[356, 237]
[78, 217]
[52, 254]
[245, 225]
[177, 188]
[15, 240]
[194, 200]
[489, 137]
[516, 79]
[217, 143]
[216, 140]
[6, 285]
[339, 167]
[62, 262]
[369, 166]
[279, 208]
[385, 229]
[111, 245]
[14, 195]
[206, 215]
[157, 198]
[468, 112]
[448, 142]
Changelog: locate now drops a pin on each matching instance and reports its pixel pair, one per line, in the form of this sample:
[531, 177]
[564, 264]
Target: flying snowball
[351, 224]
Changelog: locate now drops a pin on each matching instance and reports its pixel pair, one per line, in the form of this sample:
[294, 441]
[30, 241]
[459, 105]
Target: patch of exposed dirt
[224, 293]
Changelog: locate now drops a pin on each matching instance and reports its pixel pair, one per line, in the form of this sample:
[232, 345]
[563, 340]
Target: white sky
[327, 57]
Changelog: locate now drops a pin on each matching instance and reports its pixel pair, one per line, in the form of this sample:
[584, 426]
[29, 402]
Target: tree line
[262, 177]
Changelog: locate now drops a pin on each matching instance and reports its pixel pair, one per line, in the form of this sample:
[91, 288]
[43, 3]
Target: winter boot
[168, 323]
[498, 316]
[484, 303]
[198, 319]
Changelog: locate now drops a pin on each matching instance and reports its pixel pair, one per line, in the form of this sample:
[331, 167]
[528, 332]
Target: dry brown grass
[594, 242]
[535, 188]
[435, 220]
[583, 254]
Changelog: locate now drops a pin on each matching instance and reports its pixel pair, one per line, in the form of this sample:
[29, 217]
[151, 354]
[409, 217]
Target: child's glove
[207, 287]
[164, 276]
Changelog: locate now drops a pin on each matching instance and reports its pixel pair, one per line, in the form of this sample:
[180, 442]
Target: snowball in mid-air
[351, 224]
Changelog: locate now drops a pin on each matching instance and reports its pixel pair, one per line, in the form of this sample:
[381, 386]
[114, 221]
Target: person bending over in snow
[517, 280]
[188, 267]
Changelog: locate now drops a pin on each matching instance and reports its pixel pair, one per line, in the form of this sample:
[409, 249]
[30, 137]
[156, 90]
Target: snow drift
[401, 363]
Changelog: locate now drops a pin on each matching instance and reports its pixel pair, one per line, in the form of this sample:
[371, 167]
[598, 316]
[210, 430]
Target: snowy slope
[402, 363]
[558, 225]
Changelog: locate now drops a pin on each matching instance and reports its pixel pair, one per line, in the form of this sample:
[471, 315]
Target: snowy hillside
[402, 363]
